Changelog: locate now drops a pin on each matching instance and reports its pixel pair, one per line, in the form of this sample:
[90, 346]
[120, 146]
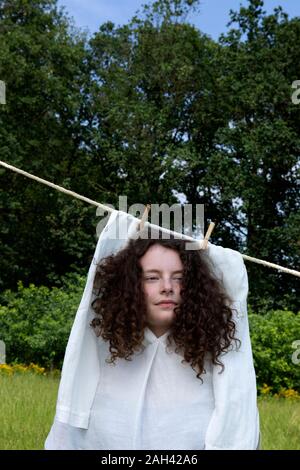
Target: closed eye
[153, 278]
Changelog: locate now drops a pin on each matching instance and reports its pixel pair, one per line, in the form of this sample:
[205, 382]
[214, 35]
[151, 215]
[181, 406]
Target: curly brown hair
[203, 323]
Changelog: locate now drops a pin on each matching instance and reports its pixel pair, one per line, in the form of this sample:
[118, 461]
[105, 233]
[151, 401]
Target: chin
[163, 322]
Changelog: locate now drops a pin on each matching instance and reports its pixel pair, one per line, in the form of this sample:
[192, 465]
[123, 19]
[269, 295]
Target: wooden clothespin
[144, 217]
[204, 242]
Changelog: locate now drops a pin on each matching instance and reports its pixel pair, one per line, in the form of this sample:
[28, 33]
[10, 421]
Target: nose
[166, 285]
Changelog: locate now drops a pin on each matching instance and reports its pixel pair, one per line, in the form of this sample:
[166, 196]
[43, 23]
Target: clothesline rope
[107, 208]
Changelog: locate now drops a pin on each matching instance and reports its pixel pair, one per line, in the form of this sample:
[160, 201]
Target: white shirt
[151, 402]
[154, 401]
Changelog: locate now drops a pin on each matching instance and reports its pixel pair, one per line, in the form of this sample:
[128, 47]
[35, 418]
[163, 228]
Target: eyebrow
[157, 271]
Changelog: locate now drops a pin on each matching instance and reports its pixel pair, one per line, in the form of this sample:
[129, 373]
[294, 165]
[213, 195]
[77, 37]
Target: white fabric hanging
[95, 411]
[81, 363]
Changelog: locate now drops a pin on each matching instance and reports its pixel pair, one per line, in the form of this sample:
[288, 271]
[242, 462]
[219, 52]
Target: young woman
[174, 353]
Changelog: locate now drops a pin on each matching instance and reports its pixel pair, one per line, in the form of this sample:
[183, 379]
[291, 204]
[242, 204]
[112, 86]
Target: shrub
[272, 337]
[35, 322]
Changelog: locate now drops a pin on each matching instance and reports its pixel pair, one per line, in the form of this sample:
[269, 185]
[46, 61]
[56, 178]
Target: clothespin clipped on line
[204, 242]
[144, 217]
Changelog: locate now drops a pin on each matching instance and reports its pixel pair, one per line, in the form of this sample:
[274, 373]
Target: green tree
[145, 96]
[260, 146]
[212, 121]
[149, 110]
[43, 61]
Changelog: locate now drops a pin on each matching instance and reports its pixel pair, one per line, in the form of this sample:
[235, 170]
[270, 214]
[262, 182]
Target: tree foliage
[150, 109]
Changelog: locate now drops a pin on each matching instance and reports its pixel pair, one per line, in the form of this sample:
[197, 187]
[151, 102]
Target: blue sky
[212, 18]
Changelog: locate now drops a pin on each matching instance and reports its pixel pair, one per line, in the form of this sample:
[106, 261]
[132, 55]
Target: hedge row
[35, 323]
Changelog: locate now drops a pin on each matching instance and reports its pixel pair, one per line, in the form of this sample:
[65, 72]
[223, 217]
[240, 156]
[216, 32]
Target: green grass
[280, 423]
[27, 407]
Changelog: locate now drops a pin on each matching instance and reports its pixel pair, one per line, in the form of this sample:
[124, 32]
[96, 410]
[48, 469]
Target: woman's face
[162, 281]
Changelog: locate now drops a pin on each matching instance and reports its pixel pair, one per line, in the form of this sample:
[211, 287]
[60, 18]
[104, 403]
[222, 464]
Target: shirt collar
[150, 337]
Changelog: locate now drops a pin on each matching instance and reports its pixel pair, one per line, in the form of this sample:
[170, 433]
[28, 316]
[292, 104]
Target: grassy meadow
[27, 407]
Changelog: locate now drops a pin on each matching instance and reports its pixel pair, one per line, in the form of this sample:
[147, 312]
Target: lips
[167, 302]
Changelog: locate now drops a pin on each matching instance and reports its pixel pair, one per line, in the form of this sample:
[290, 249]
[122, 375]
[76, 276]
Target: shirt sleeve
[234, 423]
[62, 436]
